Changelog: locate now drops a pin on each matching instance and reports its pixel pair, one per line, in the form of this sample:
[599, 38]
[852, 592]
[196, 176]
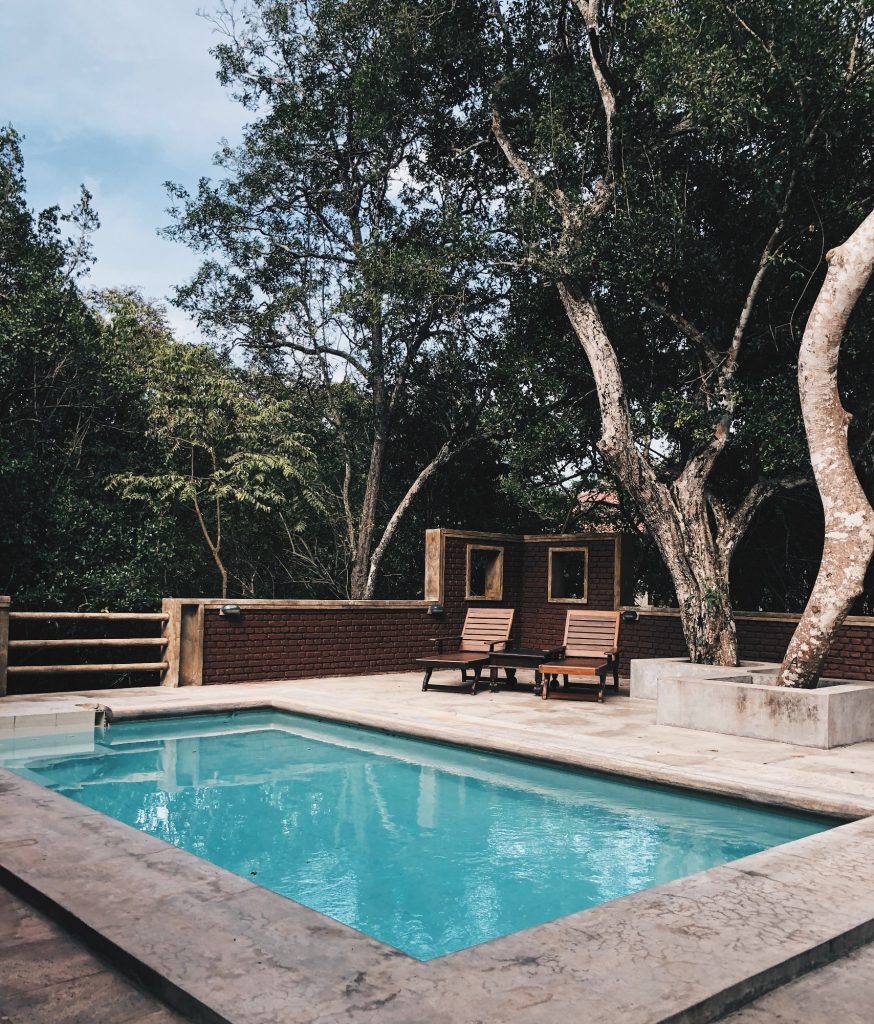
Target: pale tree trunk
[443, 456]
[849, 518]
[692, 529]
[215, 546]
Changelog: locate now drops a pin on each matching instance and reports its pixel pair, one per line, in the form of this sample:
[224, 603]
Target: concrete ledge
[647, 672]
[43, 718]
[834, 716]
[220, 948]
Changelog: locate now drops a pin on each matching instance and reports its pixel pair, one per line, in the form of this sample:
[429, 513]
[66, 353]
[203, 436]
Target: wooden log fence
[165, 646]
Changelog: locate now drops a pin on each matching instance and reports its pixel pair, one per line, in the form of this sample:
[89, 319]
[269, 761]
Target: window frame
[584, 551]
[497, 593]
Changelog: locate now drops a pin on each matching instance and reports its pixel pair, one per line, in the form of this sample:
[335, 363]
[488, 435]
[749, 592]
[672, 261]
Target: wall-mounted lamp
[231, 611]
[435, 609]
[629, 616]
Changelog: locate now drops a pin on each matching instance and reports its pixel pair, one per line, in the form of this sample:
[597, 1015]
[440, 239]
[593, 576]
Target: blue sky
[119, 95]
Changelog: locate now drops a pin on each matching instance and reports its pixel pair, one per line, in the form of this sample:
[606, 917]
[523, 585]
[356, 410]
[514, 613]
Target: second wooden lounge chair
[485, 630]
[591, 649]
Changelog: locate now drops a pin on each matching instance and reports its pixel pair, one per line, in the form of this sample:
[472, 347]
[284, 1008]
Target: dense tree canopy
[388, 343]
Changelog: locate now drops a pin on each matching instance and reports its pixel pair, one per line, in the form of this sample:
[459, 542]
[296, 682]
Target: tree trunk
[443, 455]
[676, 514]
[849, 518]
[359, 589]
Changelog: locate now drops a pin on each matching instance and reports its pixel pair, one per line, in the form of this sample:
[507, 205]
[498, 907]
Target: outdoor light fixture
[231, 611]
[435, 609]
[629, 616]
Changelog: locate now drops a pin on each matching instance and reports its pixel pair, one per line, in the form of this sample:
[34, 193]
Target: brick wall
[291, 641]
[542, 621]
[760, 638]
[295, 643]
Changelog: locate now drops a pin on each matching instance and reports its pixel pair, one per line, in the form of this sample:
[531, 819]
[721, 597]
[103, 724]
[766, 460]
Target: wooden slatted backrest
[483, 626]
[589, 634]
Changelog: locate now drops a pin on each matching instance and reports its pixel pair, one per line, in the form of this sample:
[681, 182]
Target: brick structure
[296, 642]
[299, 639]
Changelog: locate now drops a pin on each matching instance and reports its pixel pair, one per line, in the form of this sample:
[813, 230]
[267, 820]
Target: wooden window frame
[584, 551]
[497, 593]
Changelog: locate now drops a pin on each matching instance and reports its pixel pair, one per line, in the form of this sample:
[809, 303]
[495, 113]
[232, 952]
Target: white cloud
[121, 95]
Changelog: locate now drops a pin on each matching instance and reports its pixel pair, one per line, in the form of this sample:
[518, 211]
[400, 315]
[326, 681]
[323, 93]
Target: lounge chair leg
[616, 674]
[464, 675]
[602, 680]
[476, 674]
[538, 682]
[427, 678]
[565, 680]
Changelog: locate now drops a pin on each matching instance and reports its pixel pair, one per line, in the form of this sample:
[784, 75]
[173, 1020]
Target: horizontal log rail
[134, 641]
[138, 666]
[51, 616]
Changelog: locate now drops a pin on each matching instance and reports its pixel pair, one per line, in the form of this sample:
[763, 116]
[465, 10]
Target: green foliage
[372, 255]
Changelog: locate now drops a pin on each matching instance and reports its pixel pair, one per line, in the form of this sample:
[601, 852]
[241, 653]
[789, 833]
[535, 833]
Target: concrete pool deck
[220, 948]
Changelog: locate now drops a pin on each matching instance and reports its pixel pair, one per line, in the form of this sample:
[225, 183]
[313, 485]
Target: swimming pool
[427, 847]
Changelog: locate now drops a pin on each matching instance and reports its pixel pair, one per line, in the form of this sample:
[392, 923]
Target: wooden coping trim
[850, 620]
[140, 666]
[50, 616]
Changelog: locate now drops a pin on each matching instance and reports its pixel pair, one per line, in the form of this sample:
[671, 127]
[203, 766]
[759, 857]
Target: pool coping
[221, 948]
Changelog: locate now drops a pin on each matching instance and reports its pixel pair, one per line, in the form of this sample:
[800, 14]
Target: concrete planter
[646, 673]
[745, 702]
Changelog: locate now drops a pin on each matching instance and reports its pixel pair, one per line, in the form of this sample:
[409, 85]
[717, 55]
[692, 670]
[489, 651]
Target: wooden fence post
[191, 644]
[4, 642]
[183, 632]
[172, 608]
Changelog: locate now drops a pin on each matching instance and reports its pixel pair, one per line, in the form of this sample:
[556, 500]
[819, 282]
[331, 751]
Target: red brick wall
[294, 643]
[759, 639]
[542, 621]
[298, 642]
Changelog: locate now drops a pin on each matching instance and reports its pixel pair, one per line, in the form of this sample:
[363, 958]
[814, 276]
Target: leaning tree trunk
[849, 518]
[367, 525]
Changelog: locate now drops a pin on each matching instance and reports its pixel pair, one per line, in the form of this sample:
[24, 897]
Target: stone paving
[47, 977]
[638, 960]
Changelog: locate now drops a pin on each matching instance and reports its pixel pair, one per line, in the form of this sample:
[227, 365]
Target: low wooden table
[516, 658]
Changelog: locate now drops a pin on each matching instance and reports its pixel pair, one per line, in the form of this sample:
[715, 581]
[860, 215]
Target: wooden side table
[515, 658]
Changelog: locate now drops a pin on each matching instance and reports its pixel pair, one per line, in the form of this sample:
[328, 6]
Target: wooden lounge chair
[485, 630]
[591, 649]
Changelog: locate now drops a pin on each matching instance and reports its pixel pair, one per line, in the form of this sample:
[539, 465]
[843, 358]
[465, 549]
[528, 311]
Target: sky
[121, 96]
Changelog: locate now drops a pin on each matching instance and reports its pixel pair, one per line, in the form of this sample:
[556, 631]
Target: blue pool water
[427, 847]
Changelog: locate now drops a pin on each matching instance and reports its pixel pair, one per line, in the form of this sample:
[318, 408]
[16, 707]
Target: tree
[849, 517]
[71, 416]
[224, 441]
[338, 251]
[678, 168]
